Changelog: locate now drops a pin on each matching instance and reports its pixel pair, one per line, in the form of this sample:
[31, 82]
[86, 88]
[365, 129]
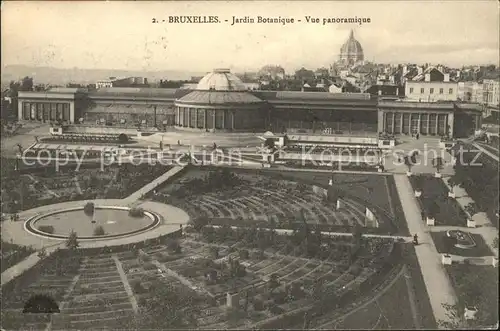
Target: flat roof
[135, 92]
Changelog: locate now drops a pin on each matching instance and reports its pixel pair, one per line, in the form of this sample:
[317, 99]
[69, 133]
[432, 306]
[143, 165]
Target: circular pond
[115, 221]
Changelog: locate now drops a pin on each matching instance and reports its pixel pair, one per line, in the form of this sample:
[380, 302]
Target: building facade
[491, 92]
[221, 102]
[430, 86]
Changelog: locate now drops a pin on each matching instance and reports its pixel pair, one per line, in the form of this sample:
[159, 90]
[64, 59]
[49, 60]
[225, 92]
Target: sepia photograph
[249, 165]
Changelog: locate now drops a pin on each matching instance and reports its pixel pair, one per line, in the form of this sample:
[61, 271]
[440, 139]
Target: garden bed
[480, 249]
[476, 284]
[434, 201]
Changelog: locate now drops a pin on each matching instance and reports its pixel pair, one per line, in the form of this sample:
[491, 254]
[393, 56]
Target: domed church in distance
[351, 52]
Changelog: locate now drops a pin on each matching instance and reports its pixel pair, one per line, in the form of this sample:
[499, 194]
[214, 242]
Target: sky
[121, 35]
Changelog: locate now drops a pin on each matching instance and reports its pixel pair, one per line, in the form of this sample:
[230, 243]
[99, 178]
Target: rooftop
[219, 97]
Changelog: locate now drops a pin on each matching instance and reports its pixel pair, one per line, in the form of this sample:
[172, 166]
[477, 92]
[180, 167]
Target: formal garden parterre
[23, 190]
[271, 280]
[278, 200]
[436, 203]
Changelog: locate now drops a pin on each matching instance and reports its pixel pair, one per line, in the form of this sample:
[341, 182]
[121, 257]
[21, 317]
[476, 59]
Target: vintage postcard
[274, 165]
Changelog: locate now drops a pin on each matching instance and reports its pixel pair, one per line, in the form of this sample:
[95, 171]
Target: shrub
[355, 270]
[46, 228]
[149, 266]
[174, 246]
[137, 287]
[88, 209]
[244, 254]
[99, 231]
[136, 212]
[258, 304]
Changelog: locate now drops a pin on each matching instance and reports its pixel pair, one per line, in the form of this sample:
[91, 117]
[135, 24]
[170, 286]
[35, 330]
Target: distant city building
[470, 91]
[274, 72]
[122, 82]
[431, 85]
[351, 52]
[491, 91]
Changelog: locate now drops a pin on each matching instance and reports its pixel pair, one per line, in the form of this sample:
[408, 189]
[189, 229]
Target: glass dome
[221, 80]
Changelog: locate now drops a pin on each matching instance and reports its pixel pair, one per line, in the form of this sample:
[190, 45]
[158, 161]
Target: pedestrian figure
[423, 215]
[418, 136]
[215, 146]
[415, 239]
[178, 142]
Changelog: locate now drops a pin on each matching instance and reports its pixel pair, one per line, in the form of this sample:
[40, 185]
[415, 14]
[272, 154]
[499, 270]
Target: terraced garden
[265, 281]
[265, 199]
[43, 186]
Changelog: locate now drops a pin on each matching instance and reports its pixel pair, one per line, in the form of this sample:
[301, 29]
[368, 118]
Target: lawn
[479, 285]
[480, 250]
[434, 201]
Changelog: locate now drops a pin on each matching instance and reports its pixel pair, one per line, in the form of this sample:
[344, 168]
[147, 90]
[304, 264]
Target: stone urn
[430, 221]
[418, 193]
[451, 194]
[409, 173]
[437, 175]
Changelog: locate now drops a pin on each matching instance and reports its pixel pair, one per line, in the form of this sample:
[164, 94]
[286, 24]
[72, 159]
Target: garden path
[126, 284]
[152, 185]
[435, 278]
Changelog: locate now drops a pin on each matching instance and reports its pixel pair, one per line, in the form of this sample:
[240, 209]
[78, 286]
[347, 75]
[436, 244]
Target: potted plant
[418, 186]
[438, 163]
[431, 217]
[408, 164]
[471, 210]
[448, 244]
[452, 182]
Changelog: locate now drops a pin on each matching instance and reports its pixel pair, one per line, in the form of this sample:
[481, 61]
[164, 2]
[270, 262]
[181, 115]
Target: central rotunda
[220, 102]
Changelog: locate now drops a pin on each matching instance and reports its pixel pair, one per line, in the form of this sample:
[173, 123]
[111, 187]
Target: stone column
[213, 120]
[196, 117]
[232, 119]
[380, 121]
[401, 123]
[393, 121]
[206, 119]
[437, 124]
[428, 123]
[419, 122]
[224, 118]
[71, 112]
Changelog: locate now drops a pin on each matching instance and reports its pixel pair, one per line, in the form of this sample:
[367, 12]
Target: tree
[99, 231]
[408, 163]
[471, 208]
[72, 241]
[214, 252]
[438, 163]
[42, 254]
[452, 181]
[89, 209]
[273, 282]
